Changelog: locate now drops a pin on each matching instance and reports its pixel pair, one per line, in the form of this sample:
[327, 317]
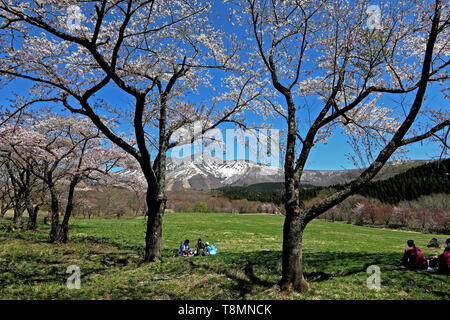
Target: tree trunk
[292, 270]
[62, 231]
[31, 225]
[54, 207]
[18, 213]
[32, 217]
[294, 223]
[61, 234]
[153, 238]
[3, 212]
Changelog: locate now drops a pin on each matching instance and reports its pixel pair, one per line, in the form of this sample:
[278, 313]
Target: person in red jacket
[413, 258]
[444, 259]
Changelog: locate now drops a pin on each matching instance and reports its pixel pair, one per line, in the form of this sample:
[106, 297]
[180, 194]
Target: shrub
[200, 207]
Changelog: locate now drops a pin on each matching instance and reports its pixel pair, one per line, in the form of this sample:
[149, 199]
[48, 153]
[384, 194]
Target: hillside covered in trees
[421, 180]
[265, 192]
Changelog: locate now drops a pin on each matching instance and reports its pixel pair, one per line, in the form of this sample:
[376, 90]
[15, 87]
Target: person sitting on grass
[205, 250]
[185, 250]
[413, 258]
[444, 259]
[199, 248]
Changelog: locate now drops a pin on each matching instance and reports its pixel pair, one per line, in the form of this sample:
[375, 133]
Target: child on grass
[185, 250]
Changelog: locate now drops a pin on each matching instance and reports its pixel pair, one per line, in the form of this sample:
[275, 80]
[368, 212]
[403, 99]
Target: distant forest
[425, 179]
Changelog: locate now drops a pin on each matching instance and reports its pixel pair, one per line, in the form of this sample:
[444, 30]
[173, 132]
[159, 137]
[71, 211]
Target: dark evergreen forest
[426, 179]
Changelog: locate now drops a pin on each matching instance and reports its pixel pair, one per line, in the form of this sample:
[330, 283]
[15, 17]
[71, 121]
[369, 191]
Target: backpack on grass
[212, 250]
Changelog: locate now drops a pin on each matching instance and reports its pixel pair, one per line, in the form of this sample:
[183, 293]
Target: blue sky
[331, 156]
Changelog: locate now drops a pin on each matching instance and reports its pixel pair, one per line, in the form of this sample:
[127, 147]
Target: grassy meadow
[248, 264]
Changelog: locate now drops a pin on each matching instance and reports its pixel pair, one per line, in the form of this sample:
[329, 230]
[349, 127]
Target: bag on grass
[212, 250]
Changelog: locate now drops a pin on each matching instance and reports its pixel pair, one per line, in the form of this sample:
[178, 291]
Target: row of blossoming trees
[43, 158]
[428, 213]
[316, 66]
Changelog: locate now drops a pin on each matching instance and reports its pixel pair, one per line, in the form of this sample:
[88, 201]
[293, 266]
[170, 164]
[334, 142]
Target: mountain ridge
[205, 172]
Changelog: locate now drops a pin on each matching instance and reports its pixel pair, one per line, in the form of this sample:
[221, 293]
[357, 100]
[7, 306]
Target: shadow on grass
[250, 272]
[30, 267]
[263, 269]
[243, 285]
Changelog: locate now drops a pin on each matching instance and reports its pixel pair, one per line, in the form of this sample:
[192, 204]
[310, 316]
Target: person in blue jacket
[185, 250]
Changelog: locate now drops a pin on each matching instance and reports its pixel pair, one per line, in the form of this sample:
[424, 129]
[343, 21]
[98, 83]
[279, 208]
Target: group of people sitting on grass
[201, 249]
[414, 259]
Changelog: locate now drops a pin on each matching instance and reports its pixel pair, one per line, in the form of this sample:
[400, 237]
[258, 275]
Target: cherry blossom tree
[24, 187]
[6, 194]
[335, 52]
[132, 179]
[19, 190]
[156, 52]
[59, 151]
[384, 214]
[14, 193]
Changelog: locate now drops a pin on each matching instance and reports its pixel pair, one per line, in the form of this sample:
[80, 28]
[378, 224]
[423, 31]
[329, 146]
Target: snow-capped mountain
[207, 172]
[204, 172]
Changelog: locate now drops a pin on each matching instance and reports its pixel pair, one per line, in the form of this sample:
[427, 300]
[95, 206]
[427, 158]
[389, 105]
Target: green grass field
[248, 265]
